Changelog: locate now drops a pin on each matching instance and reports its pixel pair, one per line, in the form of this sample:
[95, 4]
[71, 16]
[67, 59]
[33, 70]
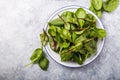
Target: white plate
[55, 56]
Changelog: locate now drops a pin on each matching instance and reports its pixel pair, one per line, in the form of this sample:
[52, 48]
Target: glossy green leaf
[44, 38]
[79, 32]
[66, 56]
[76, 47]
[43, 64]
[80, 39]
[80, 13]
[66, 34]
[56, 22]
[52, 30]
[67, 14]
[97, 12]
[78, 59]
[110, 5]
[97, 4]
[36, 56]
[101, 33]
[74, 36]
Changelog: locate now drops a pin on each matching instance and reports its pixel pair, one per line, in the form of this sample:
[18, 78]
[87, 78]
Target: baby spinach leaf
[67, 26]
[36, 56]
[80, 13]
[67, 14]
[56, 22]
[72, 20]
[78, 59]
[110, 5]
[79, 32]
[101, 33]
[65, 34]
[52, 30]
[43, 64]
[80, 39]
[97, 4]
[66, 56]
[44, 38]
[76, 47]
[97, 12]
[74, 36]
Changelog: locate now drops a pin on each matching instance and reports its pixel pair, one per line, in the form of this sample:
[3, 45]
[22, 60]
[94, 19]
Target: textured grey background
[21, 22]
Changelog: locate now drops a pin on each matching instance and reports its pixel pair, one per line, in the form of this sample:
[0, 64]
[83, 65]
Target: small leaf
[110, 5]
[56, 22]
[97, 12]
[67, 26]
[43, 64]
[36, 56]
[80, 13]
[80, 39]
[97, 4]
[52, 30]
[74, 36]
[79, 32]
[76, 47]
[44, 38]
[66, 34]
[78, 58]
[66, 56]
[101, 33]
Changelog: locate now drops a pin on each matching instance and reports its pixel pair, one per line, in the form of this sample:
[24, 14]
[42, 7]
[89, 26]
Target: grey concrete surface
[21, 22]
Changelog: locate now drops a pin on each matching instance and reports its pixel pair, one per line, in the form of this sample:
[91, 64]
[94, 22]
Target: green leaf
[80, 39]
[54, 45]
[36, 56]
[97, 12]
[81, 23]
[97, 4]
[43, 64]
[76, 47]
[110, 5]
[65, 34]
[80, 32]
[80, 13]
[91, 46]
[59, 30]
[67, 14]
[56, 22]
[72, 20]
[74, 36]
[101, 33]
[90, 18]
[67, 26]
[52, 30]
[44, 38]
[66, 56]
[64, 45]
[78, 59]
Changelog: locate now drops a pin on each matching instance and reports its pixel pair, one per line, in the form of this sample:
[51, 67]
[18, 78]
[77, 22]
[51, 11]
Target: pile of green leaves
[98, 6]
[74, 35]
